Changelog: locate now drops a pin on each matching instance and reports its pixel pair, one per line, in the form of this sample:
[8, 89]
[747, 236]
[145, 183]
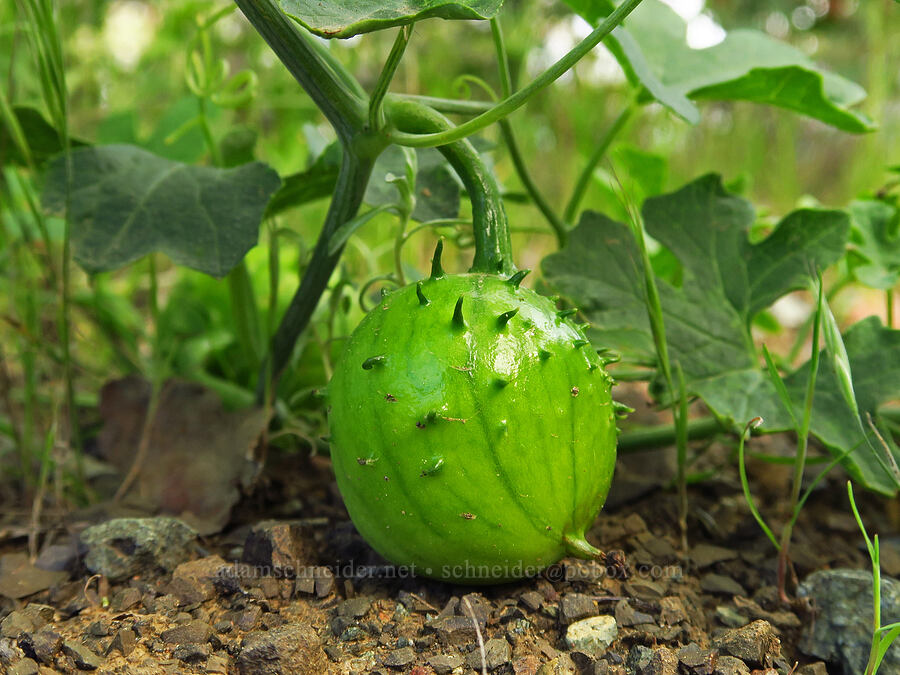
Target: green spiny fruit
[473, 431]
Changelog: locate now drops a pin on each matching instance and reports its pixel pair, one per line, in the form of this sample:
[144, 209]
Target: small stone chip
[756, 643]
[400, 657]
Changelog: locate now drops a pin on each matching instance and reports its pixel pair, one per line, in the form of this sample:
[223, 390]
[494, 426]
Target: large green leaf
[747, 65]
[126, 202]
[874, 357]
[346, 18]
[875, 243]
[43, 140]
[726, 281]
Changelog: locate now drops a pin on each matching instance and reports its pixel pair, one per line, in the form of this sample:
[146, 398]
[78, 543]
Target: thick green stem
[559, 227]
[348, 193]
[344, 104]
[651, 438]
[584, 178]
[321, 77]
[493, 251]
[518, 99]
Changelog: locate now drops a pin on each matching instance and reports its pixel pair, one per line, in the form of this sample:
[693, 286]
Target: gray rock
[842, 630]
[400, 657]
[123, 547]
[82, 657]
[627, 616]
[292, 649]
[496, 653]
[705, 555]
[191, 652]
[19, 578]
[561, 665]
[663, 662]
[532, 600]
[125, 599]
[99, 628]
[672, 611]
[217, 665]
[41, 645]
[454, 630]
[355, 607]
[124, 642]
[192, 631]
[817, 668]
[24, 667]
[15, 624]
[477, 605]
[9, 652]
[246, 619]
[697, 661]
[645, 589]
[575, 606]
[444, 664]
[729, 665]
[718, 583]
[324, 582]
[593, 635]
[62, 557]
[275, 547]
[730, 617]
[756, 643]
[638, 658]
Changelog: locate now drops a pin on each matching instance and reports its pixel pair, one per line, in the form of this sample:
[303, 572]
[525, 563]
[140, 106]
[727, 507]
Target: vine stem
[506, 131]
[322, 77]
[376, 114]
[651, 438]
[351, 186]
[519, 98]
[493, 251]
[584, 178]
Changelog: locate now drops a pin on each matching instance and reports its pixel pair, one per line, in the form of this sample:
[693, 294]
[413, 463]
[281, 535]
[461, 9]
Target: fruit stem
[493, 250]
[578, 546]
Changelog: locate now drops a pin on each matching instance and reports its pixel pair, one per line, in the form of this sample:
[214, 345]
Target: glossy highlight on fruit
[472, 428]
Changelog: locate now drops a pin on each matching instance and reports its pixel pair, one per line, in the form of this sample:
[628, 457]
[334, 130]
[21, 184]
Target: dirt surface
[289, 587]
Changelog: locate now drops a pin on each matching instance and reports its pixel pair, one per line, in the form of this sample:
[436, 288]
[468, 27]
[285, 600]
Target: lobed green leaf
[126, 202]
[726, 281]
[346, 18]
[747, 65]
